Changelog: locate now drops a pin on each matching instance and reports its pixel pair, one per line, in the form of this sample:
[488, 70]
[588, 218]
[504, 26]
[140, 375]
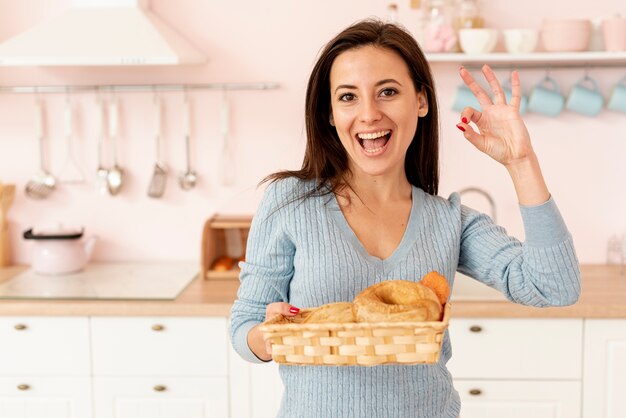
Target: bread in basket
[392, 322]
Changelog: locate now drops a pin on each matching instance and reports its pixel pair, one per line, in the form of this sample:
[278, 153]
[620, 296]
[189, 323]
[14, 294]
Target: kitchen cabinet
[163, 397]
[256, 389]
[604, 368]
[517, 367]
[45, 367]
[44, 346]
[176, 366]
[45, 397]
[519, 399]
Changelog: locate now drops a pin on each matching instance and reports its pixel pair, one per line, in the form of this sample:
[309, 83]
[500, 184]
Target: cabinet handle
[160, 388]
[23, 387]
[475, 392]
[20, 327]
[158, 327]
[476, 328]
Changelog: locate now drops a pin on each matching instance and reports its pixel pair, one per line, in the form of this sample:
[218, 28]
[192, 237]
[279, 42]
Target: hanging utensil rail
[138, 88]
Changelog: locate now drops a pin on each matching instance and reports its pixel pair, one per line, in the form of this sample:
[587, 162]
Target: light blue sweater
[303, 252]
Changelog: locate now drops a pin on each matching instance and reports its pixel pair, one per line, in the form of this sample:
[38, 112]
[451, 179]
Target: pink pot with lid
[58, 250]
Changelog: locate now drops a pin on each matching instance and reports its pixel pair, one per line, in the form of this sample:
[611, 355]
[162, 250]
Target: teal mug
[585, 97]
[546, 98]
[465, 98]
[617, 102]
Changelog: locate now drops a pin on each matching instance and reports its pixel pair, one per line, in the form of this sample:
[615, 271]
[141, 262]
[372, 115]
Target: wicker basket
[354, 344]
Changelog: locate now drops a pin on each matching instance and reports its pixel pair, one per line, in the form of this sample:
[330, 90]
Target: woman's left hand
[502, 133]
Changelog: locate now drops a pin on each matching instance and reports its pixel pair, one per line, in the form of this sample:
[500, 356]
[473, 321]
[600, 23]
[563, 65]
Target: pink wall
[250, 41]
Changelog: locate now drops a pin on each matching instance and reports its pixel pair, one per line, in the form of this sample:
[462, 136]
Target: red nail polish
[464, 120]
[294, 310]
[460, 128]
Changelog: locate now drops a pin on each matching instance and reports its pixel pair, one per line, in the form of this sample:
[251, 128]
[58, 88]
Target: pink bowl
[566, 35]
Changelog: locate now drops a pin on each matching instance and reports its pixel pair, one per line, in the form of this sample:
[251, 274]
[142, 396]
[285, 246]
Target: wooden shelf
[535, 59]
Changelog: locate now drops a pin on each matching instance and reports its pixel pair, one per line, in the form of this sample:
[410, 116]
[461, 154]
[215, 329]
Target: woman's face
[374, 109]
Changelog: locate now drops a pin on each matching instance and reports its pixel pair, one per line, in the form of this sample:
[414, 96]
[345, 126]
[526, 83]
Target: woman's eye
[388, 92]
[346, 97]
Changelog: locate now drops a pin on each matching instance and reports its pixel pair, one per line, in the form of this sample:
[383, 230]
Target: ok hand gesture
[501, 132]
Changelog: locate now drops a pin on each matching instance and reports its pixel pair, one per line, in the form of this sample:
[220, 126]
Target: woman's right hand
[256, 341]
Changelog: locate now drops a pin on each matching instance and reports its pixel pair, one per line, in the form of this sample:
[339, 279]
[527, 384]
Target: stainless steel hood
[100, 32]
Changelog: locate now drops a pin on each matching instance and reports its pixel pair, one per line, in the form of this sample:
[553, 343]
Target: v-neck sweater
[303, 251]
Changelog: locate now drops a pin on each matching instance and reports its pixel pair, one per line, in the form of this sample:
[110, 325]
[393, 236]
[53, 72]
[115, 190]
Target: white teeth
[371, 151]
[373, 135]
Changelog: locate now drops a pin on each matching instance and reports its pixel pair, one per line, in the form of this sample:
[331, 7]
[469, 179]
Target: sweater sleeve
[543, 271]
[267, 271]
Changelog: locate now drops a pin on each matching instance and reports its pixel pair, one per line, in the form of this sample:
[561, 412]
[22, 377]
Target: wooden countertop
[603, 296]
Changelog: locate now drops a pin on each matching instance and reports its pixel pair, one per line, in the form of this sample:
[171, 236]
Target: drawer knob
[158, 327]
[23, 387]
[475, 392]
[476, 328]
[160, 388]
[20, 327]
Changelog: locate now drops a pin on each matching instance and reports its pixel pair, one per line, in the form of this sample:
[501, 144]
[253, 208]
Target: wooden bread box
[7, 195]
[224, 237]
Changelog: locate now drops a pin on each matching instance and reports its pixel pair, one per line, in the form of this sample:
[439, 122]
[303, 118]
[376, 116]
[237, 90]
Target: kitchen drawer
[516, 348]
[45, 397]
[519, 399]
[44, 346]
[163, 397]
[148, 346]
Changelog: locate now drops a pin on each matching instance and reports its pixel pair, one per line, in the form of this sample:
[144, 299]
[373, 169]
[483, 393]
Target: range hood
[100, 32]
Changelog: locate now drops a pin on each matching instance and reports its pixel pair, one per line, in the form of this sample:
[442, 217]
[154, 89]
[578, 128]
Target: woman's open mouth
[373, 142]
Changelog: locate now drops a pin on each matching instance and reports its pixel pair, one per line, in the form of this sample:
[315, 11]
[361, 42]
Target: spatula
[159, 175]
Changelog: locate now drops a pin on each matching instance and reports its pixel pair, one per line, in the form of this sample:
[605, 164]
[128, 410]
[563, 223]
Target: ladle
[159, 175]
[42, 184]
[187, 179]
[115, 175]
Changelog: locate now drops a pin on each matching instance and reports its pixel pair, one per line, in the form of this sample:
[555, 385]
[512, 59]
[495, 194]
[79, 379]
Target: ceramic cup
[585, 97]
[617, 101]
[546, 99]
[614, 32]
[465, 98]
[520, 41]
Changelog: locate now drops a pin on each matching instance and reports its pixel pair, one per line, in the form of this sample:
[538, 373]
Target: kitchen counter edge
[603, 296]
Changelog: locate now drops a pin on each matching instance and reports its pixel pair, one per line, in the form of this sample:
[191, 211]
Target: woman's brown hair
[325, 159]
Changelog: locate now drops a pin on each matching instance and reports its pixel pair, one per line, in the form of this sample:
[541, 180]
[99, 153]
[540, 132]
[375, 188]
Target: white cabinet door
[604, 381]
[166, 346]
[162, 397]
[41, 346]
[519, 399]
[516, 348]
[256, 389]
[45, 397]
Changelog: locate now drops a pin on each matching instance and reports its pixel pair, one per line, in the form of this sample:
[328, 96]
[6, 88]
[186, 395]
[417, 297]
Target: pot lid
[57, 232]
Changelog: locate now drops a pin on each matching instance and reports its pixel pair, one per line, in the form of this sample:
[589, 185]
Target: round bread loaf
[397, 300]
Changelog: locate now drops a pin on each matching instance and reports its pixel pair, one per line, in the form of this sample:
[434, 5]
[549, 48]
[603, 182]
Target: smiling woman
[375, 109]
[364, 209]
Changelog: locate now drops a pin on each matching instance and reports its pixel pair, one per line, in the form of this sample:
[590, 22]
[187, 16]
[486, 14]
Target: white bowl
[478, 40]
[520, 41]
